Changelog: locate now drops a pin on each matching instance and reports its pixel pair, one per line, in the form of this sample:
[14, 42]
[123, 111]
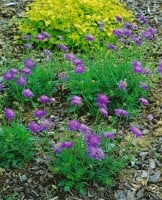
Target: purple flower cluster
[102, 102]
[150, 117]
[10, 74]
[93, 140]
[42, 36]
[122, 84]
[29, 63]
[62, 145]
[137, 67]
[44, 99]
[121, 112]
[21, 81]
[143, 19]
[63, 47]
[160, 68]
[40, 113]
[108, 135]
[76, 100]
[74, 125]
[27, 93]
[144, 86]
[122, 32]
[143, 101]
[95, 152]
[135, 131]
[112, 47]
[9, 114]
[118, 18]
[136, 40]
[149, 33]
[89, 37]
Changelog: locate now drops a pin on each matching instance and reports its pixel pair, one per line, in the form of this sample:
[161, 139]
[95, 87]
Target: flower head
[46, 35]
[122, 85]
[143, 19]
[144, 86]
[34, 127]
[27, 93]
[102, 100]
[108, 135]
[9, 114]
[112, 47]
[29, 63]
[40, 37]
[13, 71]
[44, 99]
[121, 112]
[93, 140]
[46, 124]
[160, 68]
[74, 125]
[26, 71]
[69, 56]
[8, 76]
[118, 18]
[143, 101]
[103, 111]
[79, 69]
[76, 100]
[63, 47]
[96, 153]
[39, 113]
[21, 81]
[89, 37]
[137, 67]
[85, 129]
[135, 131]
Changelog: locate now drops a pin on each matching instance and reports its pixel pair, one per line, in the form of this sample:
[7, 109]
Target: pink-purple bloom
[29, 63]
[108, 135]
[102, 100]
[69, 56]
[112, 47]
[79, 69]
[21, 81]
[121, 112]
[44, 99]
[135, 131]
[27, 93]
[26, 71]
[34, 127]
[118, 18]
[93, 140]
[9, 114]
[63, 47]
[85, 129]
[137, 67]
[150, 117]
[8, 76]
[58, 147]
[46, 35]
[74, 125]
[96, 153]
[46, 124]
[122, 84]
[13, 71]
[143, 101]
[40, 37]
[89, 37]
[144, 86]
[143, 19]
[40, 113]
[160, 68]
[76, 100]
[103, 111]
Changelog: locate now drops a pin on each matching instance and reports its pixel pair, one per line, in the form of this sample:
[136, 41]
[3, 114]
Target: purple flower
[108, 135]
[122, 85]
[8, 76]
[112, 47]
[89, 37]
[73, 125]
[85, 129]
[39, 113]
[13, 71]
[47, 52]
[144, 86]
[135, 131]
[93, 140]
[121, 112]
[28, 46]
[126, 32]
[160, 68]
[143, 19]
[76, 100]
[46, 124]
[103, 111]
[62, 76]
[79, 69]
[143, 101]
[40, 37]
[26, 71]
[34, 127]
[118, 18]
[57, 148]
[26, 37]
[69, 56]
[128, 26]
[27, 93]
[77, 62]
[147, 35]
[44, 99]
[137, 67]
[29, 63]
[21, 81]
[63, 47]
[62, 145]
[136, 40]
[67, 145]
[102, 100]
[118, 33]
[9, 114]
[46, 35]
[150, 117]
[96, 153]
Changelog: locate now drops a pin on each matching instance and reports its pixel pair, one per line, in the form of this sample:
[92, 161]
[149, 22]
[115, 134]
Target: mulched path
[142, 180]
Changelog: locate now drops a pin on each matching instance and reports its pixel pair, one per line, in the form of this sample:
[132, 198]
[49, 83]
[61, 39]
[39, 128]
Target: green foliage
[72, 20]
[77, 171]
[16, 145]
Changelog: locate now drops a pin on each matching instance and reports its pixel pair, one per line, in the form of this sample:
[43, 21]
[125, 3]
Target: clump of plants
[73, 22]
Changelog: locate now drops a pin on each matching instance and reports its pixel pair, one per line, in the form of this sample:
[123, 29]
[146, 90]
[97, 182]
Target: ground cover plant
[103, 90]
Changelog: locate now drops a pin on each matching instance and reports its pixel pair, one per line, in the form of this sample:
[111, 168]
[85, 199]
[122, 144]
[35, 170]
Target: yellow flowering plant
[72, 20]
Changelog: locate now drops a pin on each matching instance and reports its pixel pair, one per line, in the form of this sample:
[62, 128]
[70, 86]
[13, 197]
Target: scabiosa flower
[137, 67]
[129, 26]
[62, 145]
[136, 40]
[77, 62]
[96, 153]
[40, 37]
[26, 71]
[46, 124]
[27, 93]
[121, 112]
[76, 100]
[21, 81]
[46, 35]
[118, 33]
[143, 101]
[143, 19]
[112, 47]
[47, 52]
[67, 145]
[102, 100]
[93, 140]
[108, 135]
[89, 37]
[9, 114]
[44, 99]
[34, 127]
[122, 85]
[150, 117]
[85, 129]
[8, 76]
[39, 113]
[135, 131]
[73, 125]
[144, 86]
[29, 63]
[147, 35]
[103, 111]
[28, 46]
[69, 56]
[13, 71]
[160, 68]
[79, 69]
[57, 148]
[63, 47]
[126, 32]
[118, 18]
